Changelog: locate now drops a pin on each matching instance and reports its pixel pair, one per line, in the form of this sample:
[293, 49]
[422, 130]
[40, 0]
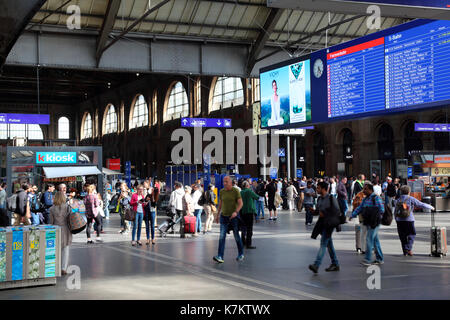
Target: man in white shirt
[176, 203]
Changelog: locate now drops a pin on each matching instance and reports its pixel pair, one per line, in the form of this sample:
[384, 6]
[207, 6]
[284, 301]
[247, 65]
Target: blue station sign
[205, 122]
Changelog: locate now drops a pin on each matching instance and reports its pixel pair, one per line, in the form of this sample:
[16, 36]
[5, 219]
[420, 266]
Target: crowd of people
[241, 204]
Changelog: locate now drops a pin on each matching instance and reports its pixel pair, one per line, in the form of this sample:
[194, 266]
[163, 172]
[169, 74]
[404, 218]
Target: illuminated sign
[56, 157]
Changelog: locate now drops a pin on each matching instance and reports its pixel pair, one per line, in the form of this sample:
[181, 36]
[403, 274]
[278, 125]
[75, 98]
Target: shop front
[73, 166]
[435, 172]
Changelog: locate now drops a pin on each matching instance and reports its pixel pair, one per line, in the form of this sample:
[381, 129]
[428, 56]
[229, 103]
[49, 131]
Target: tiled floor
[177, 268]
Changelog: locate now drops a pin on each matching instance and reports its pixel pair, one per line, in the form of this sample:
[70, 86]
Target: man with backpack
[20, 206]
[329, 213]
[35, 206]
[47, 201]
[371, 209]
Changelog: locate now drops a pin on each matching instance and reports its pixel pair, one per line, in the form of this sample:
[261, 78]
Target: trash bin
[427, 200]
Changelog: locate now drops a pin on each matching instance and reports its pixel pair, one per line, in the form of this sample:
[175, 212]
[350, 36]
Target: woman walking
[210, 208]
[59, 215]
[188, 206]
[92, 205]
[138, 203]
[291, 193]
[150, 213]
[124, 203]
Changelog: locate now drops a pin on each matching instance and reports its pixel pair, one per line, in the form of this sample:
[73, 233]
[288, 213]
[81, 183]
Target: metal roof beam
[134, 24]
[290, 44]
[264, 34]
[108, 24]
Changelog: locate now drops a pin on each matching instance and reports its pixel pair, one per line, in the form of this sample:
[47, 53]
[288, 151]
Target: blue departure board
[401, 69]
[356, 79]
[418, 65]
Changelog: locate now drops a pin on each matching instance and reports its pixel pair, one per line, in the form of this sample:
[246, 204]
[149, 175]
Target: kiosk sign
[56, 157]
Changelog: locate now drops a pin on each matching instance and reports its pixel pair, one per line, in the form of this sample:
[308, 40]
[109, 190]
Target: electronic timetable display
[400, 69]
[356, 79]
[417, 65]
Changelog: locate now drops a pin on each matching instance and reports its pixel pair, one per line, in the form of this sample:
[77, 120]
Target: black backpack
[390, 190]
[371, 215]
[202, 200]
[387, 218]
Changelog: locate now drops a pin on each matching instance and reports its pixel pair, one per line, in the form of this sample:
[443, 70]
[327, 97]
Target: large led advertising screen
[286, 94]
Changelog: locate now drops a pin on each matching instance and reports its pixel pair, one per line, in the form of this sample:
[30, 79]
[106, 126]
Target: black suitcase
[285, 204]
[438, 239]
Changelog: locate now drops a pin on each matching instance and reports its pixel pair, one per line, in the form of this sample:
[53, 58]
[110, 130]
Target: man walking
[342, 195]
[230, 204]
[248, 211]
[372, 209]
[176, 203]
[47, 202]
[261, 192]
[328, 211]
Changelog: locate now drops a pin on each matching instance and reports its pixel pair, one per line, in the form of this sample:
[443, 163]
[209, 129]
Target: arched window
[63, 128]
[385, 142]
[319, 155]
[228, 92]
[29, 131]
[198, 97]
[96, 131]
[122, 118]
[139, 113]
[155, 108]
[256, 90]
[110, 120]
[178, 105]
[87, 127]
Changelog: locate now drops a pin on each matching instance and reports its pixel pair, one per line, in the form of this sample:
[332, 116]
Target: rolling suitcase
[438, 239]
[165, 226]
[189, 224]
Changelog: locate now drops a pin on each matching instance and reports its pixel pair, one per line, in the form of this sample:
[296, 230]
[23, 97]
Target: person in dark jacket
[373, 202]
[271, 190]
[22, 206]
[47, 201]
[328, 211]
[247, 212]
[359, 184]
[261, 192]
[341, 191]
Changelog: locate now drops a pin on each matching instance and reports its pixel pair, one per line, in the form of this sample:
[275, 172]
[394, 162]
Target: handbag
[213, 208]
[130, 214]
[75, 221]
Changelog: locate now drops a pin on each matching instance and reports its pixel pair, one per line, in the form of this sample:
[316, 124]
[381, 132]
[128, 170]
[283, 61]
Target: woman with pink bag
[92, 204]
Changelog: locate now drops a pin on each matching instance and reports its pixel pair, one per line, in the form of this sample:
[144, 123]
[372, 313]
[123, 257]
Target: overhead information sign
[418, 65]
[432, 127]
[18, 118]
[356, 79]
[205, 122]
[400, 69]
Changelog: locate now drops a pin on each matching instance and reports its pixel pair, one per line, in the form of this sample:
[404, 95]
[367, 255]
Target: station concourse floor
[183, 269]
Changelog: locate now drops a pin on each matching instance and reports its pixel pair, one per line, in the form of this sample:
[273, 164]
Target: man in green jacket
[247, 213]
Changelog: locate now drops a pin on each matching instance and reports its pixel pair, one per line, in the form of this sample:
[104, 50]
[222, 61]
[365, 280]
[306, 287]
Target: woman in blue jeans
[138, 204]
[150, 214]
